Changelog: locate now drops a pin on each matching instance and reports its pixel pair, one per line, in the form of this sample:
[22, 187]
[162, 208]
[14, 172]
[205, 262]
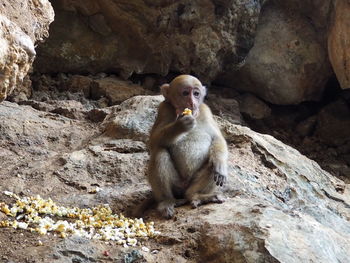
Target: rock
[149, 83]
[133, 256]
[339, 43]
[340, 169]
[306, 127]
[278, 202]
[225, 108]
[287, 64]
[78, 83]
[347, 159]
[115, 90]
[333, 123]
[37, 137]
[253, 107]
[97, 115]
[18, 35]
[133, 118]
[74, 250]
[149, 36]
[69, 108]
[317, 12]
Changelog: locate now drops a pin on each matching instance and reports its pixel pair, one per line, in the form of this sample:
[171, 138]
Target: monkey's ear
[205, 90]
[164, 89]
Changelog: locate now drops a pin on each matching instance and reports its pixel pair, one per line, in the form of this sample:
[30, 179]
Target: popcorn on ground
[34, 214]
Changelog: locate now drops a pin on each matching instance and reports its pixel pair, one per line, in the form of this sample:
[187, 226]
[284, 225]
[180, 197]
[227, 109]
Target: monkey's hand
[220, 174]
[186, 122]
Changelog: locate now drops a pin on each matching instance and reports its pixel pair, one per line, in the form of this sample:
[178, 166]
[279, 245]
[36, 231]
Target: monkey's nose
[190, 104]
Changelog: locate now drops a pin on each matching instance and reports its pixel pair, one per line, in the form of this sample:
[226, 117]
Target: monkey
[188, 153]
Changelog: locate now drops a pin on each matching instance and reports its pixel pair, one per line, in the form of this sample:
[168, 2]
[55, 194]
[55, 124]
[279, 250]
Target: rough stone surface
[339, 43]
[133, 119]
[333, 123]
[115, 90]
[318, 11]
[287, 64]
[99, 90]
[143, 36]
[306, 127]
[78, 83]
[225, 108]
[18, 35]
[278, 201]
[253, 107]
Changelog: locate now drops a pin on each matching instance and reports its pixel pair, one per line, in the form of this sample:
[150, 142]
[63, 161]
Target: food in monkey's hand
[187, 111]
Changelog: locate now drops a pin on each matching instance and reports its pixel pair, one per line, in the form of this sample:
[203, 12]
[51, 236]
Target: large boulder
[142, 36]
[280, 207]
[22, 25]
[339, 43]
[288, 64]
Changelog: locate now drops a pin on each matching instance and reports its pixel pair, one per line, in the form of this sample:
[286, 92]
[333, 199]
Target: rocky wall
[142, 36]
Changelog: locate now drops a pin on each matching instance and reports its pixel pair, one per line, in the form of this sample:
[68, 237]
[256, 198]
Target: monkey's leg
[162, 177]
[201, 190]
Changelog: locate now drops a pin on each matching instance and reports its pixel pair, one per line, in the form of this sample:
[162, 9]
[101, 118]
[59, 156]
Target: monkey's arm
[218, 158]
[166, 128]
[218, 150]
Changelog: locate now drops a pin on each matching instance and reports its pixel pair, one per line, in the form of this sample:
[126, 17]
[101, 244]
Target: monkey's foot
[220, 179]
[166, 209]
[205, 199]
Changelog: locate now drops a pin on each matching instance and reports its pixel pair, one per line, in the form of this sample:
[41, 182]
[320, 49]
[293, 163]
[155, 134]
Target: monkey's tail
[143, 206]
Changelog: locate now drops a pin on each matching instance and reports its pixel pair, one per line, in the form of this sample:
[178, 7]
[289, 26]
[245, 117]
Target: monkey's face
[190, 97]
[185, 91]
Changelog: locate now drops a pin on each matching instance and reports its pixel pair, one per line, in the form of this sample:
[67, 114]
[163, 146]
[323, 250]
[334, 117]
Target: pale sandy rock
[339, 43]
[16, 56]
[133, 118]
[22, 25]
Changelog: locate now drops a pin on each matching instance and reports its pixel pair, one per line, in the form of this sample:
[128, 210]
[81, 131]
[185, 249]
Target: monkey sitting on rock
[188, 153]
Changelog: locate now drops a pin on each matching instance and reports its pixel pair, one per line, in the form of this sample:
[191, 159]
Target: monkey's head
[185, 91]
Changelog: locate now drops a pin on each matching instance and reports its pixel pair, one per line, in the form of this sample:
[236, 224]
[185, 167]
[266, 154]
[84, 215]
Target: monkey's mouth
[180, 112]
[193, 111]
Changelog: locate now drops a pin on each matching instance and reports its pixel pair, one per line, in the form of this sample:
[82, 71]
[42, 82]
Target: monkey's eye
[196, 94]
[185, 93]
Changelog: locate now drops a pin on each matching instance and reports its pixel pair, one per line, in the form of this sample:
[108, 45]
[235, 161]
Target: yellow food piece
[187, 111]
[6, 210]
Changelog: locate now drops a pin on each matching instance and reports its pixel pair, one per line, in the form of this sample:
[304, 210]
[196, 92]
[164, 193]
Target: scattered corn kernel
[146, 249]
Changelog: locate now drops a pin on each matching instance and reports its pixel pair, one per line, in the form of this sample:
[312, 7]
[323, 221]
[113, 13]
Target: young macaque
[188, 154]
